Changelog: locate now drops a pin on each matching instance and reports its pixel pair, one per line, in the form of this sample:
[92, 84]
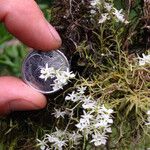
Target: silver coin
[31, 69]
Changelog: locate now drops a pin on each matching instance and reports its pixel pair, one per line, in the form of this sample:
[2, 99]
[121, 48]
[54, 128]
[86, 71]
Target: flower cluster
[54, 140]
[58, 140]
[59, 77]
[148, 118]
[95, 121]
[109, 12]
[144, 60]
[93, 125]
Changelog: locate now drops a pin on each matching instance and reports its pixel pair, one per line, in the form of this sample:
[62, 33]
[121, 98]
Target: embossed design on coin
[35, 61]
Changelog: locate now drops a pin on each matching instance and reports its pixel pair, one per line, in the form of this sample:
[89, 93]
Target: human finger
[24, 19]
[16, 95]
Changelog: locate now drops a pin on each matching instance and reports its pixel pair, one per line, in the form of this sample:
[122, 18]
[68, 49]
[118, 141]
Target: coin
[31, 68]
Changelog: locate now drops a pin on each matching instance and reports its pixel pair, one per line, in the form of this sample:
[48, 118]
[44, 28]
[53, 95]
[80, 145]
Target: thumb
[16, 95]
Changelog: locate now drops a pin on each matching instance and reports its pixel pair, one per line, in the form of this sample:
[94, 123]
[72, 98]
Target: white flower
[148, 112]
[93, 11]
[107, 118]
[103, 118]
[59, 144]
[101, 123]
[107, 129]
[67, 74]
[47, 72]
[103, 18]
[82, 124]
[51, 138]
[81, 89]
[144, 60]
[119, 16]
[59, 113]
[56, 140]
[105, 110]
[87, 116]
[57, 85]
[89, 104]
[108, 6]
[74, 97]
[61, 78]
[99, 139]
[42, 144]
[148, 118]
[94, 2]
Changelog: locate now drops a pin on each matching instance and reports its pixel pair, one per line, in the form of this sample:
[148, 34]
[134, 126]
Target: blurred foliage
[4, 35]
[11, 53]
[11, 60]
[45, 6]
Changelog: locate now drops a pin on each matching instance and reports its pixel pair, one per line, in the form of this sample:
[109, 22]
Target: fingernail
[54, 33]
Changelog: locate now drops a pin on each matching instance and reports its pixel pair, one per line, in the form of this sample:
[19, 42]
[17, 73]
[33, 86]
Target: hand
[24, 20]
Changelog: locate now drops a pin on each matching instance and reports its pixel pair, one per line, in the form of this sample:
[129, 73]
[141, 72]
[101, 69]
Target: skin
[25, 21]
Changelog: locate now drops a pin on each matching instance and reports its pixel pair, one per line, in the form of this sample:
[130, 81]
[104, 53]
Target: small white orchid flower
[58, 113]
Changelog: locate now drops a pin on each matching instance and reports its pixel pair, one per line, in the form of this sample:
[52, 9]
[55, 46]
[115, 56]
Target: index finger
[25, 20]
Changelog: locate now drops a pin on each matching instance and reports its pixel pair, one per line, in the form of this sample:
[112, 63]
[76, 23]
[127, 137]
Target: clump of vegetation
[107, 105]
[101, 40]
